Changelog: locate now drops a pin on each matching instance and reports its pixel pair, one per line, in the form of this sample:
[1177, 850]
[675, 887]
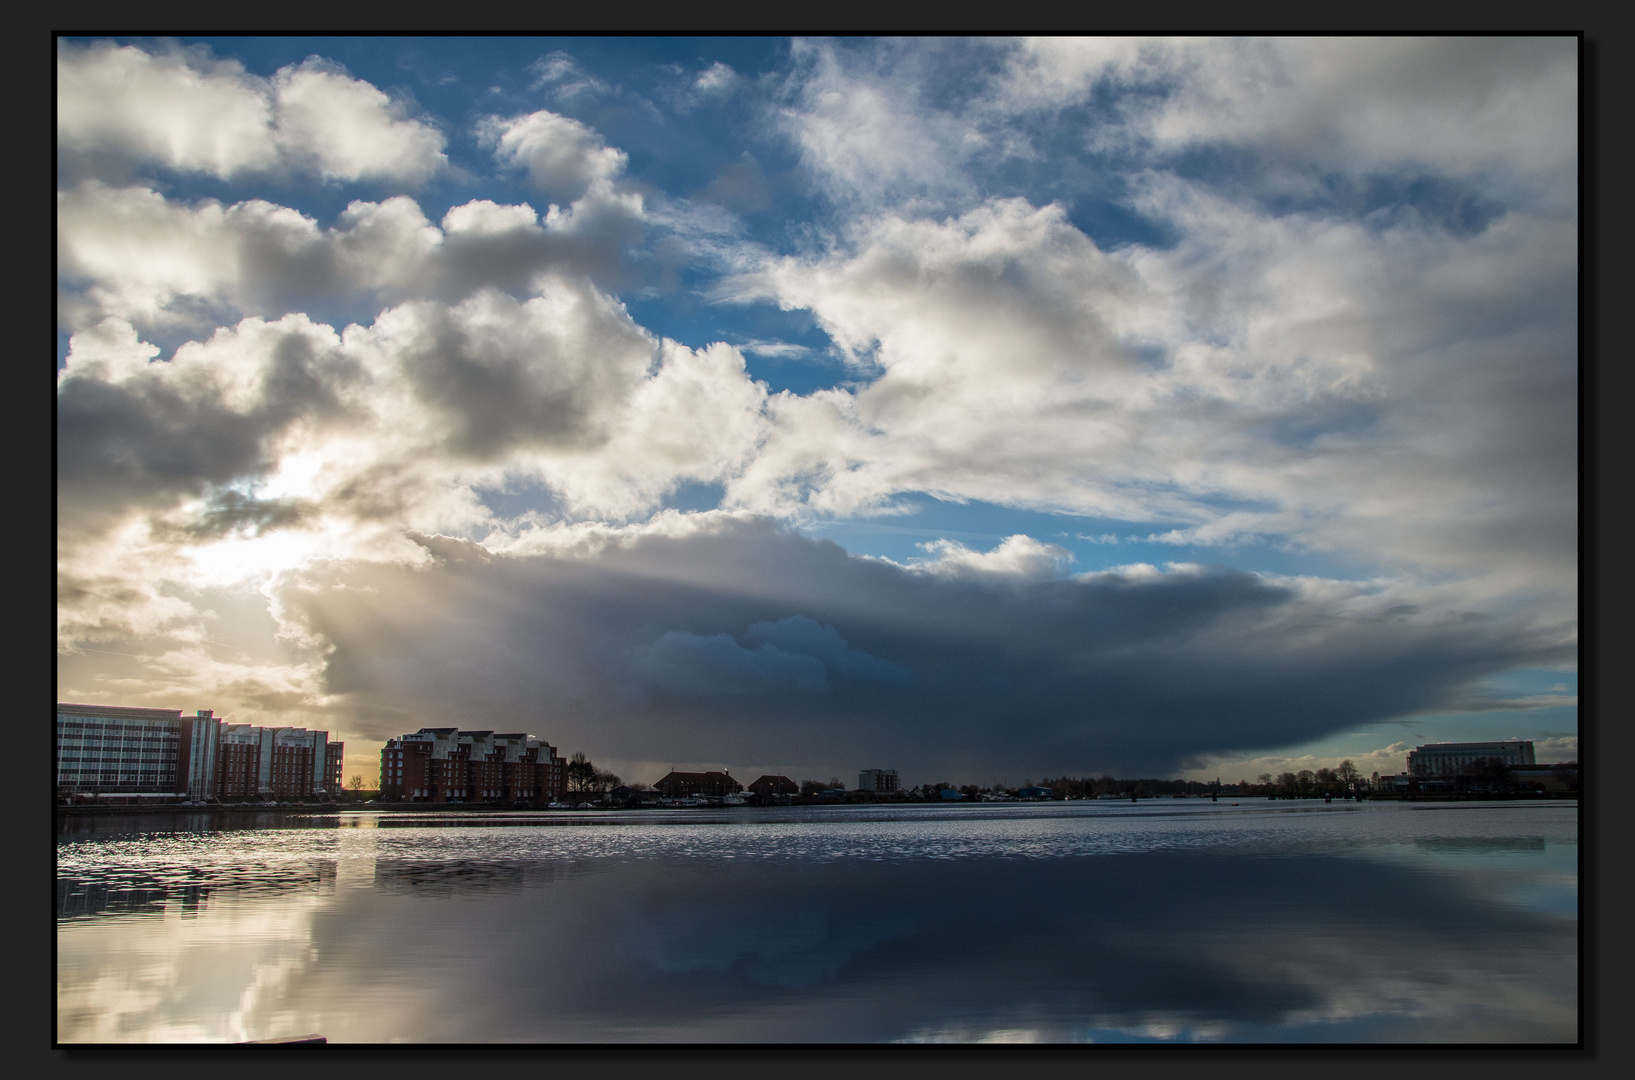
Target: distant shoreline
[324, 809]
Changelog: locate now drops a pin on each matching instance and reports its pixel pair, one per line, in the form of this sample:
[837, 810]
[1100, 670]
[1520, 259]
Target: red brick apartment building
[443, 765]
[277, 762]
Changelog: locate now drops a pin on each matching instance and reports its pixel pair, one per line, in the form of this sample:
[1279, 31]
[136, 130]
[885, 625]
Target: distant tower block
[877, 780]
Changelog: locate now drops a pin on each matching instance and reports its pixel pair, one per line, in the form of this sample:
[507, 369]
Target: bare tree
[581, 774]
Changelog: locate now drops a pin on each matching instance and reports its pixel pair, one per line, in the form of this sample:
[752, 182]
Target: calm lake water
[1169, 920]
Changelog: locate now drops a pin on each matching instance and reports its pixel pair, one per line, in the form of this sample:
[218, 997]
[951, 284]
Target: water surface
[1175, 920]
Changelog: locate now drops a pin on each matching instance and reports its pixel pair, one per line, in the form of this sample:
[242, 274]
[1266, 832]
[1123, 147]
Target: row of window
[122, 751]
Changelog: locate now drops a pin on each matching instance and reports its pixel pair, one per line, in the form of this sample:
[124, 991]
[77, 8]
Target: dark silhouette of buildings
[769, 787]
[675, 785]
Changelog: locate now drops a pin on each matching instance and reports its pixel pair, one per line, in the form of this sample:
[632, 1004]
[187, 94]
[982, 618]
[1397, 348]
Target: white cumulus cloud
[562, 156]
[185, 110]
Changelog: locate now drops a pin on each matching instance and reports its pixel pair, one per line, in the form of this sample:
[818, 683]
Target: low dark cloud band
[742, 641]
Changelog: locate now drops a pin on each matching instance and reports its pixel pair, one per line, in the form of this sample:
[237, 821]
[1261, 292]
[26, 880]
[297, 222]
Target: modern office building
[108, 751]
[449, 765]
[113, 752]
[877, 780]
[1455, 759]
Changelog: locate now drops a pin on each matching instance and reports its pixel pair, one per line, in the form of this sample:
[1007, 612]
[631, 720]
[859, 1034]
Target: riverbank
[329, 808]
[91, 810]
[1470, 796]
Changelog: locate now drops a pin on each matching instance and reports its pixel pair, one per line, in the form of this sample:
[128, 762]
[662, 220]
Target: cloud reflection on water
[1177, 944]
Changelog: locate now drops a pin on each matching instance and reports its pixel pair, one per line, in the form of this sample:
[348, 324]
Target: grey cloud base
[745, 642]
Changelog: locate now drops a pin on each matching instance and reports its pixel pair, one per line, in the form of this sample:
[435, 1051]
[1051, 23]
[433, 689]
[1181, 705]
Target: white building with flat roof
[877, 780]
[1455, 758]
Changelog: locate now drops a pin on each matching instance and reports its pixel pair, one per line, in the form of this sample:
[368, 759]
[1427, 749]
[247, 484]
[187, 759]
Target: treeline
[1087, 788]
[1342, 780]
[1307, 784]
[1084, 787]
[585, 778]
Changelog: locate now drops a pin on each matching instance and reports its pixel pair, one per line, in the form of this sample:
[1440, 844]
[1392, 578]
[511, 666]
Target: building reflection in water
[1167, 944]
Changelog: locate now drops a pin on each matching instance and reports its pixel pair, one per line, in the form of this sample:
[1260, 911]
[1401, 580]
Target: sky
[984, 409]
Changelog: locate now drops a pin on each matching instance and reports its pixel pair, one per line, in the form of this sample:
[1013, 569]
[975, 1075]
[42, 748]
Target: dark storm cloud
[742, 641]
[794, 653]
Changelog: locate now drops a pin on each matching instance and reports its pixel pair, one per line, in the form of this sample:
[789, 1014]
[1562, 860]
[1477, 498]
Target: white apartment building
[877, 780]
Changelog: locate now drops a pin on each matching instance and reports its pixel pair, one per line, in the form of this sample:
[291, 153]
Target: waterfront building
[678, 784]
[772, 786]
[877, 780]
[334, 765]
[115, 752]
[449, 765]
[277, 763]
[110, 751]
[1553, 779]
[239, 756]
[1455, 759]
